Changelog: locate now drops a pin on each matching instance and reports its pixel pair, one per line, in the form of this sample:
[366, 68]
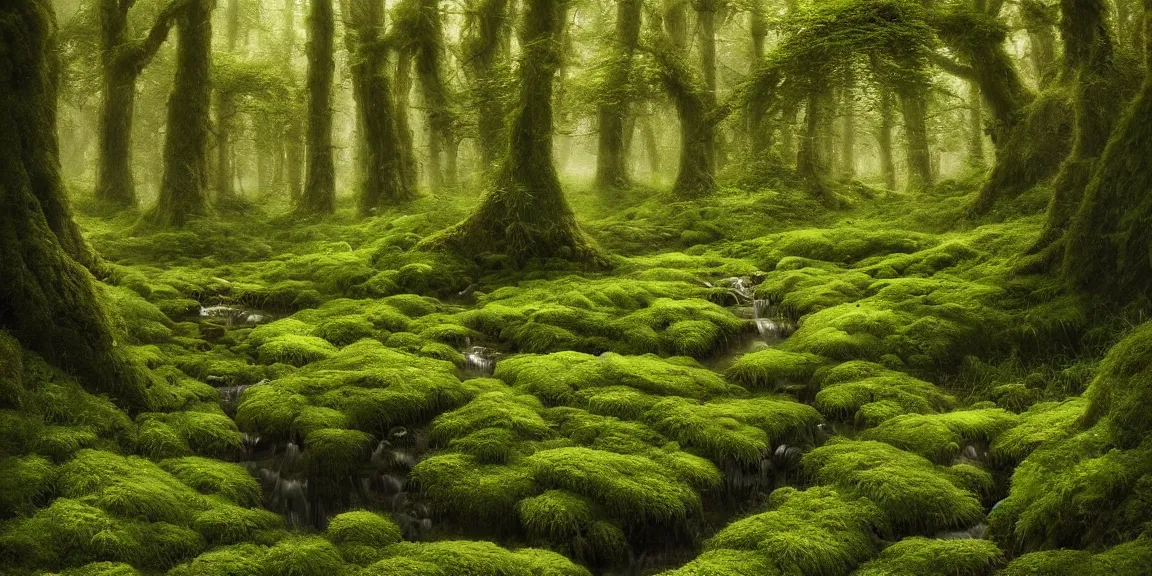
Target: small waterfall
[772, 325]
[234, 316]
[480, 360]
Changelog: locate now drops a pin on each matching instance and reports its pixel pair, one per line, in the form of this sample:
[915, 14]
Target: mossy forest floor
[758, 387]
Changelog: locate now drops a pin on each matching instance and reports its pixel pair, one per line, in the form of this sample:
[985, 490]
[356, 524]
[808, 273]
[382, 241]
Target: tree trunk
[848, 131]
[975, 128]
[486, 58]
[429, 44]
[1107, 243]
[319, 195]
[706, 27]
[47, 299]
[121, 62]
[408, 168]
[811, 163]
[183, 190]
[1039, 23]
[381, 183]
[611, 163]
[914, 110]
[1099, 99]
[525, 214]
[225, 119]
[884, 138]
[651, 146]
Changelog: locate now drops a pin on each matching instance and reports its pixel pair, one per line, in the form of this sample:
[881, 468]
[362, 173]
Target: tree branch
[952, 67]
[137, 54]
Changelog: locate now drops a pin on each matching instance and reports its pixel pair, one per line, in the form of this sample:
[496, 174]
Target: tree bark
[848, 131]
[486, 60]
[611, 163]
[525, 214]
[1107, 243]
[1039, 23]
[48, 300]
[884, 138]
[122, 61]
[975, 128]
[409, 170]
[428, 34]
[319, 195]
[914, 110]
[381, 182]
[183, 190]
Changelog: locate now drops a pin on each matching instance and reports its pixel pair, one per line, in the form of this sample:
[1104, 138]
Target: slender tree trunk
[1039, 23]
[525, 214]
[611, 163]
[759, 134]
[47, 299]
[225, 119]
[706, 26]
[429, 36]
[183, 190]
[884, 138]
[651, 146]
[381, 182]
[320, 183]
[695, 177]
[409, 170]
[848, 131]
[486, 57]
[121, 62]
[914, 110]
[975, 128]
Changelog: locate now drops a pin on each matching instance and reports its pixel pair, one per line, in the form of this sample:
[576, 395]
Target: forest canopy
[575, 287]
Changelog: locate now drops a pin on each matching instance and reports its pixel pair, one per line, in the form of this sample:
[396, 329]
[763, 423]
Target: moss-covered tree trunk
[381, 182]
[1108, 241]
[486, 61]
[183, 189]
[1099, 98]
[914, 110]
[122, 60]
[611, 163]
[848, 127]
[689, 93]
[409, 171]
[319, 196]
[975, 127]
[427, 32]
[525, 214]
[884, 138]
[48, 300]
[293, 159]
[226, 116]
[1039, 21]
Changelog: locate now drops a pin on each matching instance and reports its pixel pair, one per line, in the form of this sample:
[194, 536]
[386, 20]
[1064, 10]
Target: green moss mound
[935, 557]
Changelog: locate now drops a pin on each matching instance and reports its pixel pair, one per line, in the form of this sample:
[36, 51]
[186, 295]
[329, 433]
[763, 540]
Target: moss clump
[24, 482]
[573, 523]
[462, 486]
[935, 558]
[295, 350]
[556, 378]
[238, 560]
[209, 433]
[635, 488]
[774, 369]
[482, 559]
[213, 477]
[131, 487]
[344, 331]
[1043, 423]
[519, 414]
[726, 562]
[844, 245]
[915, 496]
[850, 388]
[335, 453]
[363, 527]
[815, 531]
[940, 437]
[302, 556]
[618, 401]
[744, 430]
[1122, 390]
[227, 524]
